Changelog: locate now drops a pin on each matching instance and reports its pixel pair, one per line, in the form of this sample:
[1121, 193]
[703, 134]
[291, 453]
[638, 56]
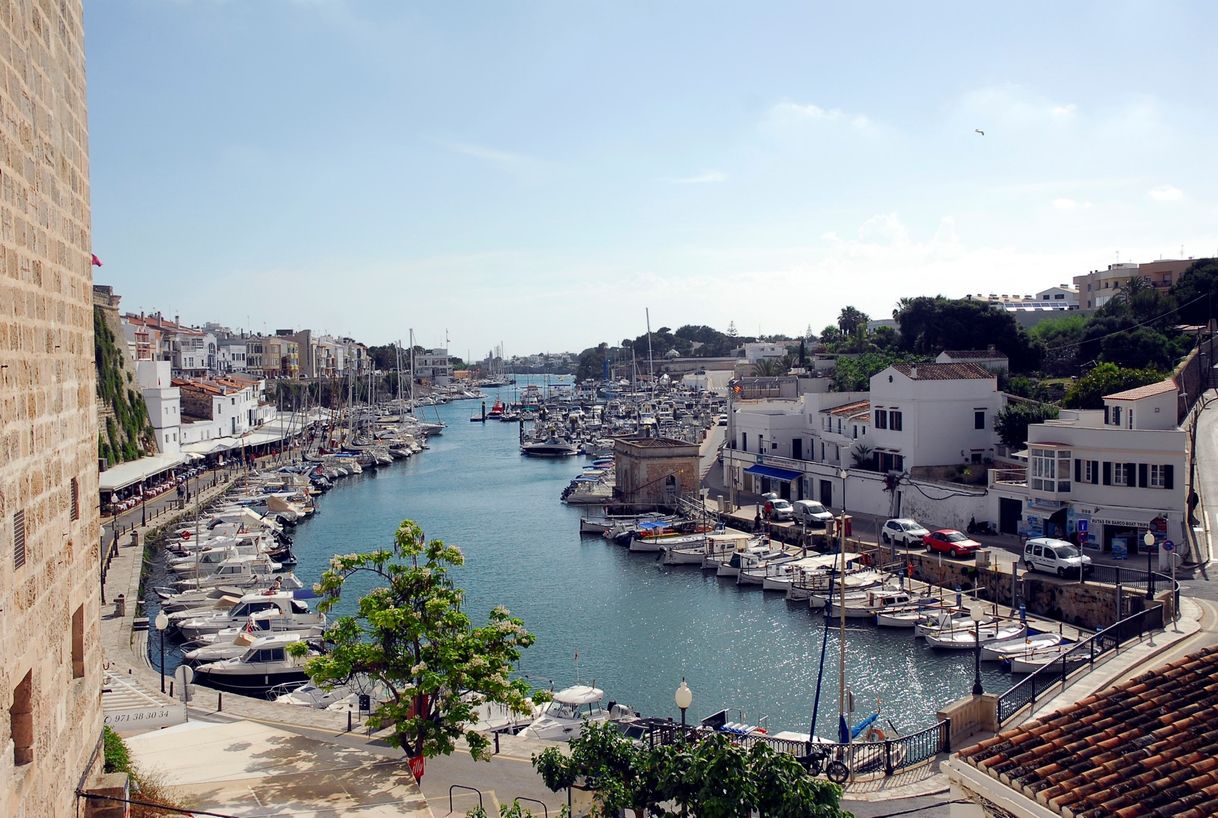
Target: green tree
[1195, 292]
[770, 367]
[1106, 379]
[930, 325]
[853, 373]
[1060, 338]
[852, 321]
[1013, 421]
[1141, 348]
[412, 637]
[710, 777]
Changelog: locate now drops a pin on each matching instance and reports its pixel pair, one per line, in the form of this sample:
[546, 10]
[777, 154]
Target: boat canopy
[579, 695]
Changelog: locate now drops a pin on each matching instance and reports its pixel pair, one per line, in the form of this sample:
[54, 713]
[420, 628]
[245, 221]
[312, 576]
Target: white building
[433, 367]
[926, 415]
[1108, 476]
[221, 407]
[230, 355]
[164, 403]
[1059, 298]
[754, 352]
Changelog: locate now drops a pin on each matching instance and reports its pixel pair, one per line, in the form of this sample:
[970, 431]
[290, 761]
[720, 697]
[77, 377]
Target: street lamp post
[977, 689]
[162, 622]
[684, 697]
[1148, 539]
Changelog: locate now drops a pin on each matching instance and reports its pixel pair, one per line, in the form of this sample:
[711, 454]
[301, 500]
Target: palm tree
[769, 367]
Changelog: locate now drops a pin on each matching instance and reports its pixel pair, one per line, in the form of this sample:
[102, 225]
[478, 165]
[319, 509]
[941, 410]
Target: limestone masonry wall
[50, 657]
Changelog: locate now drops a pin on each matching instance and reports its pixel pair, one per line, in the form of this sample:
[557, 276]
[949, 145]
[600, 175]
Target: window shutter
[1078, 471]
[1107, 473]
[1106, 420]
[1095, 472]
[18, 539]
[1141, 475]
[1130, 475]
[1167, 477]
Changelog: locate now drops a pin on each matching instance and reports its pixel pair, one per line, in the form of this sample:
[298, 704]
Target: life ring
[186, 535]
[874, 734]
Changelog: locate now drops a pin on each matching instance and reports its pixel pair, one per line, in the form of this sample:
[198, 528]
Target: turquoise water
[638, 627]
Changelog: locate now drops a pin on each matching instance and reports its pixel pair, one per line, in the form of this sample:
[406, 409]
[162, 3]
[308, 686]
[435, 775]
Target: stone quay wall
[50, 650]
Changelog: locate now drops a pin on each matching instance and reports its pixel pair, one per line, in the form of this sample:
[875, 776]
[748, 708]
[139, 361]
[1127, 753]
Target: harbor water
[601, 614]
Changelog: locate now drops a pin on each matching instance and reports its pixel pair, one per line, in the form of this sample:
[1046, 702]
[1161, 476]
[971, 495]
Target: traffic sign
[1081, 525]
[416, 767]
[1168, 545]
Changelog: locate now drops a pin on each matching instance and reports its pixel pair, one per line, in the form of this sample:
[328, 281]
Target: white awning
[1129, 517]
[128, 474]
[205, 447]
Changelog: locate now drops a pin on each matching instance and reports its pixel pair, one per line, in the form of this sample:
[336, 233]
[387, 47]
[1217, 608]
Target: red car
[950, 541]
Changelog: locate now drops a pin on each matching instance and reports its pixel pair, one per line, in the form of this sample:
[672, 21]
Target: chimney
[177, 319]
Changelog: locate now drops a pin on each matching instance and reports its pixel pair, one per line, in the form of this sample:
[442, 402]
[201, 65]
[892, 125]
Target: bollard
[348, 721]
[171, 688]
[220, 702]
[496, 742]
[120, 605]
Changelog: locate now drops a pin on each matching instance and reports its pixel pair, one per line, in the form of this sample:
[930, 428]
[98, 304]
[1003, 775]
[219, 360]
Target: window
[78, 643]
[18, 539]
[21, 721]
[1158, 477]
[1116, 416]
[1088, 471]
[978, 418]
[74, 499]
[881, 419]
[894, 420]
[1120, 474]
[1049, 470]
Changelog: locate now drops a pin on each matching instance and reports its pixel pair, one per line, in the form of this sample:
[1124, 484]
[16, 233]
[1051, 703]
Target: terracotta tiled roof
[1146, 747]
[1144, 391]
[943, 372]
[975, 354]
[851, 409]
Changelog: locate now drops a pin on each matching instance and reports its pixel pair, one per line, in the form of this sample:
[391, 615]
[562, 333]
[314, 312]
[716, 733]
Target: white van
[811, 512]
[1055, 557]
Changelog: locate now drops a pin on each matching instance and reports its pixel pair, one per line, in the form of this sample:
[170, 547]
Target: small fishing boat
[1034, 660]
[1029, 643]
[966, 638]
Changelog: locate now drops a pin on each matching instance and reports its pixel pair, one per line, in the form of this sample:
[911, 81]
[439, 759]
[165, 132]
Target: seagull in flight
[978, 130]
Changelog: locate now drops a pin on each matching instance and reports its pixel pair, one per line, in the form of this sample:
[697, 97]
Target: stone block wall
[50, 652]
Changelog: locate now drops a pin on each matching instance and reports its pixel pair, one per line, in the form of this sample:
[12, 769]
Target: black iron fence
[882, 757]
[1076, 661]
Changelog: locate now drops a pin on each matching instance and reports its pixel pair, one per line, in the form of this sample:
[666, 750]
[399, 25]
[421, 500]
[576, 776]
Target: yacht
[552, 446]
[266, 664]
[563, 718]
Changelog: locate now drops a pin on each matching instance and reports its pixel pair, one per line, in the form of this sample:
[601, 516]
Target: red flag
[96, 260]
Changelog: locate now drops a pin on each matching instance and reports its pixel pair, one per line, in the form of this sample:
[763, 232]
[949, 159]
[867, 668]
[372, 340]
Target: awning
[128, 474]
[1129, 517]
[771, 471]
[206, 447]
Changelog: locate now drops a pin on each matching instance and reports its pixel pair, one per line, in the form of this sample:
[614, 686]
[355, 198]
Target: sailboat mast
[651, 367]
[841, 638]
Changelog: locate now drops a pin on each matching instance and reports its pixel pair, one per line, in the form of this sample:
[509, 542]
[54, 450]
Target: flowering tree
[411, 637]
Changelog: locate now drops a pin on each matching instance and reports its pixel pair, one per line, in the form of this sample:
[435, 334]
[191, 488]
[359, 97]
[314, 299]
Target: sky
[540, 173]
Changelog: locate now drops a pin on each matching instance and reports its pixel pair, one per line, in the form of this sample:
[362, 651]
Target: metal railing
[885, 757]
[1077, 661]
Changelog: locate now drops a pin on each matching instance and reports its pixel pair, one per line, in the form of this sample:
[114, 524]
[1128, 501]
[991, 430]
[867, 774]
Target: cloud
[793, 114]
[516, 164]
[1013, 105]
[707, 178]
[1165, 193]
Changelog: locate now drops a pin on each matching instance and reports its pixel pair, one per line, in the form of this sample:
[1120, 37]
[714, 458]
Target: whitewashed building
[164, 403]
[1108, 476]
[433, 367]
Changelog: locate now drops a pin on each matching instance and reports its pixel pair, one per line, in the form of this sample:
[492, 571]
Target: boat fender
[761, 730]
[186, 535]
[874, 734]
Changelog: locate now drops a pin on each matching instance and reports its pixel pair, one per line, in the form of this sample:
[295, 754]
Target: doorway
[1009, 512]
[826, 493]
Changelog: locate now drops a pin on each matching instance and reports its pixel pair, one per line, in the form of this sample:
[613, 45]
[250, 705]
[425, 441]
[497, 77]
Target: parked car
[1055, 557]
[951, 542]
[903, 531]
[811, 512]
[781, 511]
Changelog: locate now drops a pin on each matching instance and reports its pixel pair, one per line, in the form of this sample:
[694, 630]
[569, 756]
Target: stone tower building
[50, 652]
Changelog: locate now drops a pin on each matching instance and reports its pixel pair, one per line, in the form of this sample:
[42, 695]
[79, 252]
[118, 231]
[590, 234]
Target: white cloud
[1013, 105]
[793, 113]
[707, 178]
[1165, 193]
[517, 164]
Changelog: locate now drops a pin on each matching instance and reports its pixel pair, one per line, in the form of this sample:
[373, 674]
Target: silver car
[903, 531]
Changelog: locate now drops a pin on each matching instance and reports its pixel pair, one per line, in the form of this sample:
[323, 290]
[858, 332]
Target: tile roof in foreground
[1148, 747]
[944, 372]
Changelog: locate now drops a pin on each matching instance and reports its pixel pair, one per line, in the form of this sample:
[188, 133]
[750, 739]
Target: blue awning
[770, 471]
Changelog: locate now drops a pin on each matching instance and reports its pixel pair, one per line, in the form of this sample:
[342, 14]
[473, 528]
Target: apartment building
[1098, 287]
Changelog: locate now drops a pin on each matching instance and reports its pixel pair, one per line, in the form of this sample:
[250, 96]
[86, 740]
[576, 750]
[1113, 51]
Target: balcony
[1008, 478]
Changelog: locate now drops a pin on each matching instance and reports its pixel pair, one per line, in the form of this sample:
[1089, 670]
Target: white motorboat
[293, 615]
[656, 544]
[755, 574]
[172, 601]
[946, 619]
[266, 664]
[1034, 660]
[1009, 648]
[230, 643]
[905, 617]
[876, 601]
[965, 639]
[564, 717]
[752, 557]
[717, 546]
[552, 446]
